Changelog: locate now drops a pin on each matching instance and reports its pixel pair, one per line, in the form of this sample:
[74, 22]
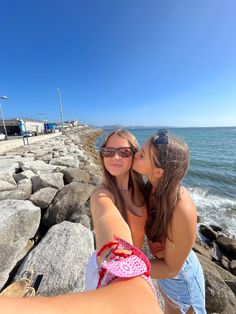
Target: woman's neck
[154, 182]
[123, 182]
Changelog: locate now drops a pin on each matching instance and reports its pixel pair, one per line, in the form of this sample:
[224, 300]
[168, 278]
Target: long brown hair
[163, 199]
[135, 184]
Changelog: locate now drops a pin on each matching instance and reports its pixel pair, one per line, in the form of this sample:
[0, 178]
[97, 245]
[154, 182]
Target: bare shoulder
[185, 208]
[101, 191]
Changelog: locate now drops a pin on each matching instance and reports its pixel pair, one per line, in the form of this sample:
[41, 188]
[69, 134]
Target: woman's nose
[116, 156]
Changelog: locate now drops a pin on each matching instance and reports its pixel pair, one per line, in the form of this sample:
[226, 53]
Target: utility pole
[60, 108]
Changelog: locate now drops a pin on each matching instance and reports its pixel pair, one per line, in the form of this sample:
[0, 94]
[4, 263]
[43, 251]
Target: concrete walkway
[13, 143]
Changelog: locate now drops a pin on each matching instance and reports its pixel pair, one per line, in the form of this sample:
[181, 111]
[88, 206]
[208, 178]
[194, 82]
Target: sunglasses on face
[162, 141]
[123, 152]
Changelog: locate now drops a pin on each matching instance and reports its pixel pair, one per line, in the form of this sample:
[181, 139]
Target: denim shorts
[188, 287]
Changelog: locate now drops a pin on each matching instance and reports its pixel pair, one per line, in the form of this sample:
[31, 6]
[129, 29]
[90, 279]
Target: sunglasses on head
[122, 151]
[162, 141]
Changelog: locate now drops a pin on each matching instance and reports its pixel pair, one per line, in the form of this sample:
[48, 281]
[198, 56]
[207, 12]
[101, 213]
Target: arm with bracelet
[121, 295]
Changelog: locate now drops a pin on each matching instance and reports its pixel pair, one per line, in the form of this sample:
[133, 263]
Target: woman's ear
[158, 172]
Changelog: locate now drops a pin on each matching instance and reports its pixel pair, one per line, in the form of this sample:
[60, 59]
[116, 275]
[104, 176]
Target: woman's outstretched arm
[128, 295]
[132, 295]
[107, 219]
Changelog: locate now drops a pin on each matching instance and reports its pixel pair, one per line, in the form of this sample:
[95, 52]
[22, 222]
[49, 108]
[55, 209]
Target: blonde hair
[135, 184]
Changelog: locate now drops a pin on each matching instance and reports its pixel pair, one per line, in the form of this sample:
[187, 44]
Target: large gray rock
[233, 267]
[28, 174]
[43, 197]
[83, 219]
[19, 222]
[22, 192]
[7, 182]
[40, 152]
[8, 166]
[219, 296]
[67, 201]
[37, 166]
[75, 175]
[68, 161]
[227, 244]
[53, 180]
[46, 157]
[208, 232]
[61, 257]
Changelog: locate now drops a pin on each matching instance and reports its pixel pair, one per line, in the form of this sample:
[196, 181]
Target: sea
[211, 178]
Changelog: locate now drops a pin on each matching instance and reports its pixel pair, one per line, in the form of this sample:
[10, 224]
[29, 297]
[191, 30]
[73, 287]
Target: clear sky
[129, 62]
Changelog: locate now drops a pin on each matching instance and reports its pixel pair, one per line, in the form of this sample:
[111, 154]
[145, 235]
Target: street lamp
[60, 108]
[4, 126]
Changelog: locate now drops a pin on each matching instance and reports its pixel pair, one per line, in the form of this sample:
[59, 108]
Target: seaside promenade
[14, 143]
[46, 225]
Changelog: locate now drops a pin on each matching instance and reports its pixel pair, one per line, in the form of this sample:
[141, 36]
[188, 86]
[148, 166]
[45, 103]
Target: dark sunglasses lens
[125, 152]
[122, 151]
[107, 152]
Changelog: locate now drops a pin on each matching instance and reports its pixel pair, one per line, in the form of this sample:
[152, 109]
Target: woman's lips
[116, 165]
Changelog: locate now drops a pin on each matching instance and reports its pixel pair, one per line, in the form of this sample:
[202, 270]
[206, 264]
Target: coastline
[49, 184]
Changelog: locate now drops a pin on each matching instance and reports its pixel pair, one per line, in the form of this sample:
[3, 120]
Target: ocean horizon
[211, 178]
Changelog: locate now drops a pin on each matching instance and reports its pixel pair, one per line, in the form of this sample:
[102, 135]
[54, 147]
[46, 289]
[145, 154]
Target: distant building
[50, 127]
[18, 126]
[72, 123]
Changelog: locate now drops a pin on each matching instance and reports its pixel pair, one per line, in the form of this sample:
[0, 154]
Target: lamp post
[60, 107]
[3, 122]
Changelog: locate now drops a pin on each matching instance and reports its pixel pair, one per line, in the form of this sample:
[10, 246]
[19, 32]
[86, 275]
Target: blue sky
[129, 62]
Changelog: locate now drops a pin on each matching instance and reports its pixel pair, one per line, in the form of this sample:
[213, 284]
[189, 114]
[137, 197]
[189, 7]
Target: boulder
[37, 166]
[68, 161]
[8, 166]
[83, 219]
[75, 175]
[53, 180]
[61, 257]
[22, 192]
[233, 267]
[7, 182]
[19, 223]
[228, 245]
[208, 232]
[43, 197]
[66, 202]
[28, 174]
[219, 296]
[47, 157]
[201, 250]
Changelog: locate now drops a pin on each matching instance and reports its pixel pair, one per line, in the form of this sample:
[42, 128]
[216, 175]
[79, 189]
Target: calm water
[211, 178]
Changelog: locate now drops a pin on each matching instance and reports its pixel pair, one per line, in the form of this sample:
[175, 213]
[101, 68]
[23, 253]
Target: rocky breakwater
[45, 220]
[216, 250]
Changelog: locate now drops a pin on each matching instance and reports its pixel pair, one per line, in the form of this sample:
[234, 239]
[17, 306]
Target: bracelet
[123, 261]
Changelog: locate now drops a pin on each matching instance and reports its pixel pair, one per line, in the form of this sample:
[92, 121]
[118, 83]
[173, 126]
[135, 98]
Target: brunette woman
[171, 224]
[122, 190]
